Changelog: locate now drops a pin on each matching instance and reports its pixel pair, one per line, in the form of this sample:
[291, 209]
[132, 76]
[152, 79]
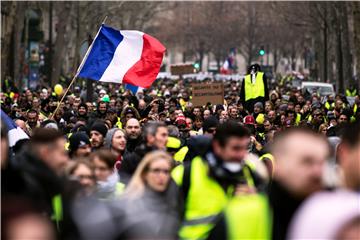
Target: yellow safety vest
[254, 90]
[57, 210]
[205, 199]
[179, 156]
[298, 118]
[350, 93]
[271, 158]
[328, 105]
[248, 217]
[119, 123]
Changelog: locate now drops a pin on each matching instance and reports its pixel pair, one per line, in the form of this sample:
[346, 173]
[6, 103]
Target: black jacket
[132, 144]
[283, 206]
[41, 185]
[131, 160]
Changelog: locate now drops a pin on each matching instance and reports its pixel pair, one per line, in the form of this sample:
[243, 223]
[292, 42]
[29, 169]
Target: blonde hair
[136, 186]
[322, 127]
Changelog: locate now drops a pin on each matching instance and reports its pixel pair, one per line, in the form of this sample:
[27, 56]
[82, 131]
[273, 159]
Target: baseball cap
[249, 120]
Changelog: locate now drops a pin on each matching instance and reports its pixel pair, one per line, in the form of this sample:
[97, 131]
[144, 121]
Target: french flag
[130, 57]
[133, 89]
[15, 133]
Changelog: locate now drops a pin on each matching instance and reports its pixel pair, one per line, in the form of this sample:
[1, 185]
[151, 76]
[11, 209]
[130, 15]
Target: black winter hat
[100, 127]
[210, 122]
[77, 140]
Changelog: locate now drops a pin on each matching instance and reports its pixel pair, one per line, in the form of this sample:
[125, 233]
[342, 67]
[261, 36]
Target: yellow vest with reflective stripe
[57, 210]
[179, 156]
[119, 123]
[205, 200]
[255, 90]
[350, 93]
[271, 157]
[248, 217]
[328, 105]
[298, 118]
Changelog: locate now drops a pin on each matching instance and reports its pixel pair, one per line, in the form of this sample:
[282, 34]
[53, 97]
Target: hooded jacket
[109, 137]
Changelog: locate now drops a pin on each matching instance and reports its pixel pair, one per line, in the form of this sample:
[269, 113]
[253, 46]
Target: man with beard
[32, 122]
[100, 112]
[82, 111]
[97, 135]
[155, 138]
[300, 156]
[133, 134]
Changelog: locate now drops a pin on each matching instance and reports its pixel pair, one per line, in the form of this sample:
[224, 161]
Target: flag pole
[78, 70]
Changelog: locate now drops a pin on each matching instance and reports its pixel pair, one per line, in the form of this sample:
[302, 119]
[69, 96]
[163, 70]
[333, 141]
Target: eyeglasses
[157, 171]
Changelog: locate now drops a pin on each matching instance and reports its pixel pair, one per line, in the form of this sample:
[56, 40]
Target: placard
[202, 93]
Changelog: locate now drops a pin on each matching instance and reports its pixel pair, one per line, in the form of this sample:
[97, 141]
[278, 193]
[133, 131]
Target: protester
[79, 145]
[218, 171]
[155, 138]
[334, 209]
[82, 171]
[116, 141]
[97, 135]
[300, 156]
[219, 152]
[149, 207]
[133, 134]
[108, 186]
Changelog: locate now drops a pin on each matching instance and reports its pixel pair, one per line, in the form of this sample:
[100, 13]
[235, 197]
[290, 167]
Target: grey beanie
[259, 105]
[109, 137]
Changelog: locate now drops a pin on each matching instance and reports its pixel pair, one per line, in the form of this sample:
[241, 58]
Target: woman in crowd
[152, 195]
[83, 172]
[108, 186]
[323, 128]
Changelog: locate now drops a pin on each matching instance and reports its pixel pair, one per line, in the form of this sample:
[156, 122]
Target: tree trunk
[339, 59]
[60, 44]
[356, 24]
[8, 15]
[275, 53]
[18, 30]
[325, 53]
[346, 44]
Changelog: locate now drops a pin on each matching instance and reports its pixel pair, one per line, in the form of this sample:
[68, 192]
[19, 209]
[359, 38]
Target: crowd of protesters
[117, 167]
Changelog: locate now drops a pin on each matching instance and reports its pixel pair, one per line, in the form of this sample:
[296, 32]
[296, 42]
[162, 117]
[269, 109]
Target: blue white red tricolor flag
[129, 57]
[14, 132]
[133, 89]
